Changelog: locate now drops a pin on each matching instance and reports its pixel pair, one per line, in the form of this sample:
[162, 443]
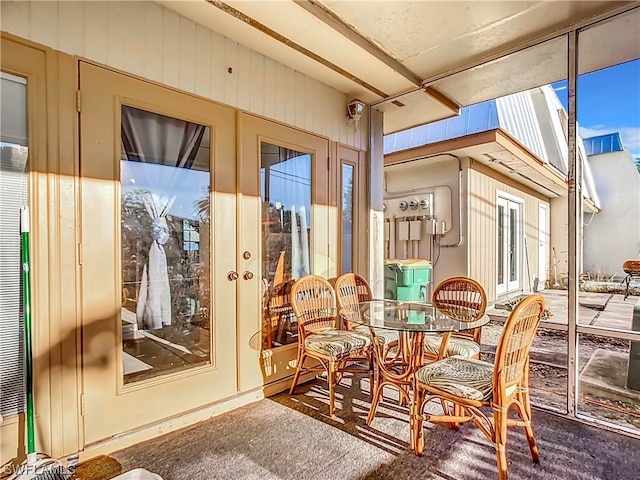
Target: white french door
[543, 244]
[509, 244]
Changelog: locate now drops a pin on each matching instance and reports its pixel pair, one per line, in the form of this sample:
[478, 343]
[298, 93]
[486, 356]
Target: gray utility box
[633, 374]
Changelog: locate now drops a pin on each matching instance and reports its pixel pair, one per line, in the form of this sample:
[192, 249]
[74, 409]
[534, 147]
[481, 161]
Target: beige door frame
[271, 367]
[110, 406]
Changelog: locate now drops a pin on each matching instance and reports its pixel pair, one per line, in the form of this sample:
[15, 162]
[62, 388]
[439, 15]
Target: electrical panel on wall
[432, 205]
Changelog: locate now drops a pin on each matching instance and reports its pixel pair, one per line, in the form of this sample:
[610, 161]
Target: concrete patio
[603, 362]
[291, 437]
[607, 309]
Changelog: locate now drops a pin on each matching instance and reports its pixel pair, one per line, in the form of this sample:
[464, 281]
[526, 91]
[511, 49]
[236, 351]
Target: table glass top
[407, 316]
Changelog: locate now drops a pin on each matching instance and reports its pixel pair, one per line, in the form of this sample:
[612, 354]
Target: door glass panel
[165, 181]
[513, 244]
[347, 217]
[13, 195]
[285, 189]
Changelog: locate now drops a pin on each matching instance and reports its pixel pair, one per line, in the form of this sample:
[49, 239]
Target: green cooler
[407, 279]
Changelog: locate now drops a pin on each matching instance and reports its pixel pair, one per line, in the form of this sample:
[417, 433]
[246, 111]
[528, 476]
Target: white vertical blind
[13, 195]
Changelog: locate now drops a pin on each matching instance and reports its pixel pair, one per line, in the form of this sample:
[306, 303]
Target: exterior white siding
[147, 40]
[483, 185]
[612, 235]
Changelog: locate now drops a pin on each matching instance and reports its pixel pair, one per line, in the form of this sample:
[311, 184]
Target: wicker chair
[314, 303]
[470, 385]
[463, 299]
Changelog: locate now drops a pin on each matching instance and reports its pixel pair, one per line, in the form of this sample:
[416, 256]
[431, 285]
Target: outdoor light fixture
[355, 110]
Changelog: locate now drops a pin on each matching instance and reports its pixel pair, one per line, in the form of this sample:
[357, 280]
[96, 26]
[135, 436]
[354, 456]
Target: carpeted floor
[292, 437]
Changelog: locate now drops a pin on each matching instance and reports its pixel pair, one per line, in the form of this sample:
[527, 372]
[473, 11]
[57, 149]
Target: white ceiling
[386, 52]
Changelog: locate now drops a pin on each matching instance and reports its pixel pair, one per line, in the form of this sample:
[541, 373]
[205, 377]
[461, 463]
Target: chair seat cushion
[457, 345]
[336, 343]
[467, 378]
[383, 336]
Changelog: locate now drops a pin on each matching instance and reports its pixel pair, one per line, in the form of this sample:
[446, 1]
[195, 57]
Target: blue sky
[609, 101]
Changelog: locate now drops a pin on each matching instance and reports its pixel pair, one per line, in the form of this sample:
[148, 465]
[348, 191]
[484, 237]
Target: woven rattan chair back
[351, 289]
[461, 298]
[512, 352]
[314, 303]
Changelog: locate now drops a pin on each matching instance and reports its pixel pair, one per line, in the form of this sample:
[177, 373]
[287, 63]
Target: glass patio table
[412, 321]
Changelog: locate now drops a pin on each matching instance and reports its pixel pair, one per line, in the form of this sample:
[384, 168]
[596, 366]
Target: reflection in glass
[165, 182]
[285, 176]
[347, 218]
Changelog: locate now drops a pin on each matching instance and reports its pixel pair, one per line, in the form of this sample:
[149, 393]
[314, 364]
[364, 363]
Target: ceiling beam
[326, 16]
[443, 99]
[299, 48]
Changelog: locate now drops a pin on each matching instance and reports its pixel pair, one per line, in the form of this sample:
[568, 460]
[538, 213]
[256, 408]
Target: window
[190, 236]
[285, 176]
[509, 239]
[13, 195]
[165, 182]
[347, 217]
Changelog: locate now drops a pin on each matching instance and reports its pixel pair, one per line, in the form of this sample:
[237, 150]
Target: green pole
[26, 301]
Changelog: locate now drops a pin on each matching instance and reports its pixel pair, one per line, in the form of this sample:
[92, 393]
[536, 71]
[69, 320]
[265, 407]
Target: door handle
[247, 275]
[231, 276]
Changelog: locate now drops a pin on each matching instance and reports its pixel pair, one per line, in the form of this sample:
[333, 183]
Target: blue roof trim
[477, 118]
[611, 142]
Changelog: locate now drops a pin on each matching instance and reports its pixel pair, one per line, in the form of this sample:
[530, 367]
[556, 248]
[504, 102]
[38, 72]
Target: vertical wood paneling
[309, 95]
[44, 21]
[170, 48]
[16, 18]
[300, 102]
[95, 32]
[118, 36]
[134, 49]
[231, 60]
[280, 92]
[270, 85]
[152, 43]
[149, 40]
[256, 95]
[203, 61]
[218, 73]
[70, 25]
[290, 102]
[187, 59]
[335, 124]
[244, 78]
